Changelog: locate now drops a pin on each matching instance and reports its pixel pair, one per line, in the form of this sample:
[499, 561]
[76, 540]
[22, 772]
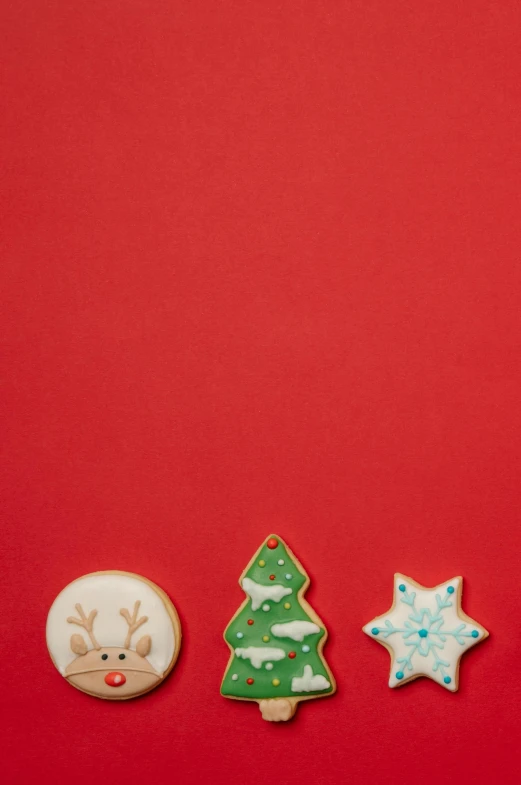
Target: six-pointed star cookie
[426, 632]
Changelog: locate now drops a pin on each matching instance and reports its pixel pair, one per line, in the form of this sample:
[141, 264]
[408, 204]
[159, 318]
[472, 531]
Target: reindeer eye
[104, 656]
[121, 656]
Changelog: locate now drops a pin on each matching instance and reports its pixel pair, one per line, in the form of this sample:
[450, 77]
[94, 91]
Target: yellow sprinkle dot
[287, 605]
[262, 563]
[275, 682]
[265, 638]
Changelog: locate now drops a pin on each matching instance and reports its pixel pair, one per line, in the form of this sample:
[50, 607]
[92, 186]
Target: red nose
[115, 679]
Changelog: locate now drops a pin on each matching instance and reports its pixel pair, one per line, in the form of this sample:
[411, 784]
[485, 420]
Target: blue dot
[399, 674]
[288, 576]
[240, 635]
[402, 588]
[422, 633]
[375, 631]
[475, 634]
[450, 589]
[447, 680]
[305, 649]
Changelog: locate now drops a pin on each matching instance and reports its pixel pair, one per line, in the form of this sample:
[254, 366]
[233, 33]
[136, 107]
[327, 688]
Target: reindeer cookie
[114, 635]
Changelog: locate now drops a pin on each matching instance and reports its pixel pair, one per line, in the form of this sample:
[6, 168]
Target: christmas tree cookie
[276, 638]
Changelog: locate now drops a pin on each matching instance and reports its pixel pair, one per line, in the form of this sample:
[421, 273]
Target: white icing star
[426, 632]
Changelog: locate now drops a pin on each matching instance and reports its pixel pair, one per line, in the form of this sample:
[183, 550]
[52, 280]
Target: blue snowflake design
[425, 633]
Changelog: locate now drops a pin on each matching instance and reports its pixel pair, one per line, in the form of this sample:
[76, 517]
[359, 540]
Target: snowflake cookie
[426, 632]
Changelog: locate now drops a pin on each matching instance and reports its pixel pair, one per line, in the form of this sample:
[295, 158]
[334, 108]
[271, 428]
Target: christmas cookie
[426, 632]
[276, 638]
[113, 635]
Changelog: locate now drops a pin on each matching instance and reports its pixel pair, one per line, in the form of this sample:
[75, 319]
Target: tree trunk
[278, 709]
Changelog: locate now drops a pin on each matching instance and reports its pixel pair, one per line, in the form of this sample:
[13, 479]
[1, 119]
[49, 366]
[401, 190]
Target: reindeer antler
[86, 623]
[133, 623]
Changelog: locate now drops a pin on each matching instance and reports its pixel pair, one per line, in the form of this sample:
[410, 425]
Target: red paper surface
[261, 273]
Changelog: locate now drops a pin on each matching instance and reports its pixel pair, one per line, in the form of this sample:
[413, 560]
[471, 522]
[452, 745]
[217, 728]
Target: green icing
[252, 635]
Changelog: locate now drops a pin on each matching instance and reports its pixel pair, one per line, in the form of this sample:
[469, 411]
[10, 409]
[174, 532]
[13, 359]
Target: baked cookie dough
[426, 632]
[276, 638]
[113, 635]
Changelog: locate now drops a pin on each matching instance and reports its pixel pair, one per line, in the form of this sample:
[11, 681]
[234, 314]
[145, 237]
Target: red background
[261, 267]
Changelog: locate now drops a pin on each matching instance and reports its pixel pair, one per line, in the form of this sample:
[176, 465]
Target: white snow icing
[260, 593]
[308, 682]
[260, 654]
[296, 630]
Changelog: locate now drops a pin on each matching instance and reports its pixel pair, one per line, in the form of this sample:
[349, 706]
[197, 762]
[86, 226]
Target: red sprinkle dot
[272, 543]
[250, 622]
[292, 655]
[272, 577]
[249, 681]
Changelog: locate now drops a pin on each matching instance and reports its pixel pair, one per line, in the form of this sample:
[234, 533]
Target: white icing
[296, 630]
[260, 593]
[308, 682]
[418, 617]
[258, 655]
[108, 594]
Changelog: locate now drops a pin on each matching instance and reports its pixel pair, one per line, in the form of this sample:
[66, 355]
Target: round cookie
[113, 635]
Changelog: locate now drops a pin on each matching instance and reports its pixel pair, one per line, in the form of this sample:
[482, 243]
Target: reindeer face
[111, 672]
